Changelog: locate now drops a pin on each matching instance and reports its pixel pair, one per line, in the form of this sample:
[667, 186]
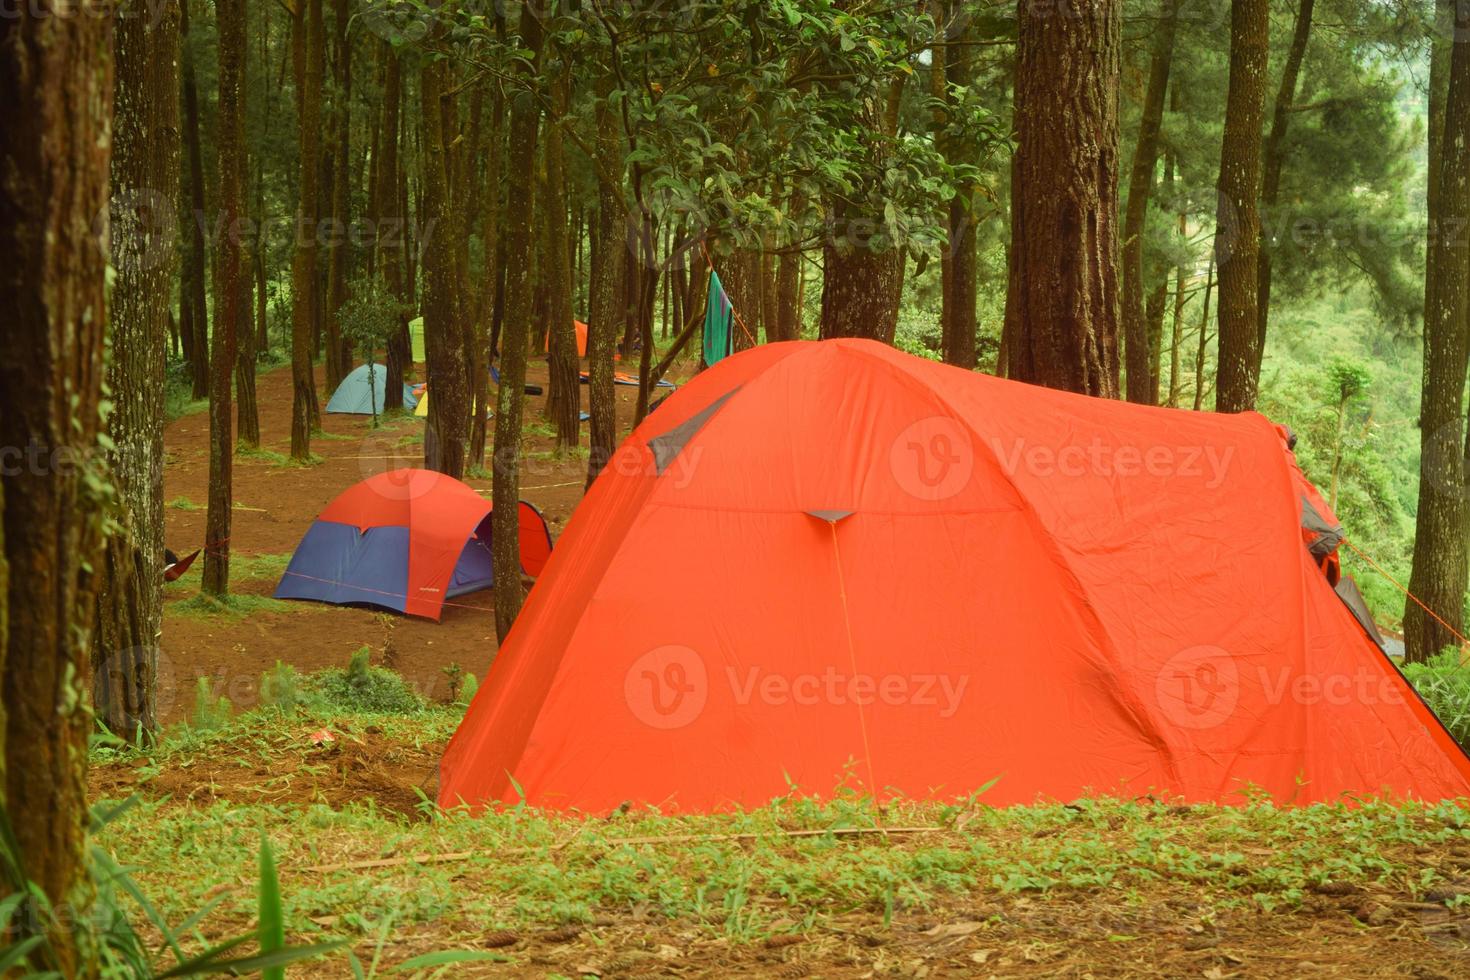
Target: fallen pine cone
[563, 935]
[502, 938]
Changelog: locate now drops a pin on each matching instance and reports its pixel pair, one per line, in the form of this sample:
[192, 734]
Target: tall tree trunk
[130, 581]
[56, 67]
[958, 323]
[862, 280]
[525, 115]
[1176, 337]
[389, 230]
[1062, 311]
[1137, 349]
[230, 16]
[564, 401]
[196, 262]
[606, 302]
[861, 286]
[1275, 154]
[1238, 224]
[490, 279]
[247, 414]
[1439, 573]
[247, 408]
[1204, 338]
[338, 356]
[788, 280]
[447, 433]
[306, 37]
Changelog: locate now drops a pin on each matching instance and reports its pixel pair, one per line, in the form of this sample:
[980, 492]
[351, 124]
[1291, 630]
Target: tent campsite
[360, 395]
[922, 580]
[405, 540]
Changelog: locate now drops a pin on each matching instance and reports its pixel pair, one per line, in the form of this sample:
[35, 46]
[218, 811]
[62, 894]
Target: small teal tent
[356, 395]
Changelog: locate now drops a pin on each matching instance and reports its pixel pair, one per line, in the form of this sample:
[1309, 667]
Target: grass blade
[272, 921]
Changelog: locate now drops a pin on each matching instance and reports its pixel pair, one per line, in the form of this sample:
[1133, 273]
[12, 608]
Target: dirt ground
[274, 506]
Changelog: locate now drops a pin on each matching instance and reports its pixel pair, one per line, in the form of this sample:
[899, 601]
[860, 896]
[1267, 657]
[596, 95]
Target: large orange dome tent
[833, 561]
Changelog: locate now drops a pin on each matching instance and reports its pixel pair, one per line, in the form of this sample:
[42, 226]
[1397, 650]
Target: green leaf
[448, 956]
[272, 924]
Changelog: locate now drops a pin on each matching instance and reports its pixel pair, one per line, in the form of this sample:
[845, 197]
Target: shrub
[363, 687]
[1444, 682]
[210, 712]
[280, 688]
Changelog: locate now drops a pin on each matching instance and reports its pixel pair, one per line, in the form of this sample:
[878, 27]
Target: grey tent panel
[666, 447]
[1329, 536]
[830, 516]
[1347, 591]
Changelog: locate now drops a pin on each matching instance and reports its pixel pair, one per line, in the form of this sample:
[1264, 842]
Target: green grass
[267, 567]
[826, 870]
[203, 606]
[530, 869]
[264, 455]
[183, 503]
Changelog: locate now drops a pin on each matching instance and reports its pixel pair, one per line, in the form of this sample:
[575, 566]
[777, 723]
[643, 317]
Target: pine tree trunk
[505, 549]
[247, 413]
[1062, 306]
[1176, 337]
[961, 263]
[1141, 387]
[447, 433]
[338, 357]
[230, 16]
[491, 277]
[1204, 338]
[56, 67]
[389, 230]
[196, 262]
[1439, 572]
[247, 410]
[130, 580]
[564, 396]
[861, 285]
[788, 281]
[1275, 153]
[306, 39]
[740, 277]
[1238, 225]
[606, 302]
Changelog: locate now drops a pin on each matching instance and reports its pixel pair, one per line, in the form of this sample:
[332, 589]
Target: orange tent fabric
[824, 563]
[581, 338]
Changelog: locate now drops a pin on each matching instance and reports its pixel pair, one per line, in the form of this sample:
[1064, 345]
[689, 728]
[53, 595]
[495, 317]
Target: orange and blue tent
[405, 540]
[834, 563]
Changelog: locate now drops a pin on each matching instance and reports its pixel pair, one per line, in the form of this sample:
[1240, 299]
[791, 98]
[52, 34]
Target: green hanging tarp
[719, 316]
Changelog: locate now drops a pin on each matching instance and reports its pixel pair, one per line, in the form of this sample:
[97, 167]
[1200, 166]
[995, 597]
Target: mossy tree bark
[56, 70]
[145, 158]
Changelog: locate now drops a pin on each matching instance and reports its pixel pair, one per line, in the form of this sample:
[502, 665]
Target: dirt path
[274, 506]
